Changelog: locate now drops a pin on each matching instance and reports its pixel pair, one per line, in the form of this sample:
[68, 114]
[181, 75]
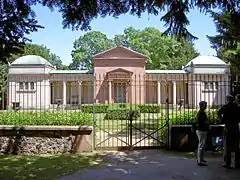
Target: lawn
[45, 167]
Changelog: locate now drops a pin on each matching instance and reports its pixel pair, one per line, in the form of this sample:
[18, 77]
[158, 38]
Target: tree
[88, 45]
[163, 52]
[227, 41]
[16, 20]
[43, 51]
[3, 84]
[79, 14]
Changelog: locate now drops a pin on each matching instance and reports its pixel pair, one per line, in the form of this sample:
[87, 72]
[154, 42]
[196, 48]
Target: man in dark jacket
[228, 115]
[202, 127]
[237, 156]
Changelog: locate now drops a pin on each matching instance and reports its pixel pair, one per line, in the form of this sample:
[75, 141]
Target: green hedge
[103, 108]
[187, 117]
[150, 108]
[45, 118]
[122, 114]
[182, 118]
[99, 108]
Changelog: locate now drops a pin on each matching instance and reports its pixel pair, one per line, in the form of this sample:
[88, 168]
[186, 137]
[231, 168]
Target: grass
[45, 167]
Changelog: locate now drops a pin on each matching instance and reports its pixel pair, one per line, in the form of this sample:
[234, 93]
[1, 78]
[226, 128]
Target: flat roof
[55, 71]
[165, 71]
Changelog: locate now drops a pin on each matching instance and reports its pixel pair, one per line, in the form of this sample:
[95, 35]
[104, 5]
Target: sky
[60, 41]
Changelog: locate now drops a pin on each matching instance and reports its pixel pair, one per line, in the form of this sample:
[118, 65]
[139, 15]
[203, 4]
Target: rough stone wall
[42, 143]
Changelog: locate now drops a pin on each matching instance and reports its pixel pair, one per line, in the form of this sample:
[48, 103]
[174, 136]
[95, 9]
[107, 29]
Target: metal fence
[126, 110]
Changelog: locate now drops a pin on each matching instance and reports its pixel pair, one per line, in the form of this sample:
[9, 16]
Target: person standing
[228, 114]
[202, 127]
[237, 156]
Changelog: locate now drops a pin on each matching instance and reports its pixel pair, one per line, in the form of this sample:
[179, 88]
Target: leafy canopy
[79, 14]
[86, 46]
[43, 51]
[163, 52]
[16, 20]
[227, 41]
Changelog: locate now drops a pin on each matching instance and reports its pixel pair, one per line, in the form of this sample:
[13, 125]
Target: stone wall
[45, 139]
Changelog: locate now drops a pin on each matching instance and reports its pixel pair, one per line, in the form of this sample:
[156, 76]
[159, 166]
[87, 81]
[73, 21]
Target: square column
[174, 93]
[79, 92]
[109, 92]
[64, 101]
[159, 92]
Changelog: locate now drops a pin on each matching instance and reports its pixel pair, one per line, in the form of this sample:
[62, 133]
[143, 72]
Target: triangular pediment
[120, 70]
[119, 73]
[119, 52]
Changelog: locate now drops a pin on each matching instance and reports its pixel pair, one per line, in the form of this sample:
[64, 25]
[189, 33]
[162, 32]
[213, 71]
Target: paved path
[155, 165]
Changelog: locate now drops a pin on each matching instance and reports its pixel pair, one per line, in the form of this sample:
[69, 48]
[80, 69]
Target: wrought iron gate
[149, 130]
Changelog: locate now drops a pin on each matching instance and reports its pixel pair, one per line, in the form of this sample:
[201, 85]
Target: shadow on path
[155, 165]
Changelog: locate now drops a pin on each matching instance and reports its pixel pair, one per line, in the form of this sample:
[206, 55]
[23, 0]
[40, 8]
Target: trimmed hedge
[181, 118]
[122, 114]
[150, 108]
[45, 118]
[99, 108]
[103, 108]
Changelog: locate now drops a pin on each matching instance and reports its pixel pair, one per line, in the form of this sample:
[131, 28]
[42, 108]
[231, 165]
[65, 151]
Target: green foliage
[187, 117]
[16, 20]
[44, 118]
[3, 84]
[226, 42]
[163, 52]
[182, 118]
[79, 14]
[119, 106]
[88, 45]
[149, 108]
[42, 167]
[99, 108]
[122, 114]
[43, 51]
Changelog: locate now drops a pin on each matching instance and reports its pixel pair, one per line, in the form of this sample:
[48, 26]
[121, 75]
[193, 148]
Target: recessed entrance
[120, 92]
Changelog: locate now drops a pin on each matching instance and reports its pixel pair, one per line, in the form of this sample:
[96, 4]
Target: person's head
[203, 105]
[238, 98]
[229, 99]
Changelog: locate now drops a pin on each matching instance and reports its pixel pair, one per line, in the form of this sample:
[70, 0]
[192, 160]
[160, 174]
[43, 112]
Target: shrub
[99, 108]
[150, 108]
[120, 106]
[180, 118]
[45, 118]
[121, 114]
[123, 105]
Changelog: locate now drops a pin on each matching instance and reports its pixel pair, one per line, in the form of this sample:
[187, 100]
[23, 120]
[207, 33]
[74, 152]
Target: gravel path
[155, 165]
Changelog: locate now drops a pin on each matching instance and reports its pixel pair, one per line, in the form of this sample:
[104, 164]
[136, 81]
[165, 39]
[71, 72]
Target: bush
[149, 108]
[181, 118]
[45, 118]
[122, 114]
[123, 105]
[99, 108]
